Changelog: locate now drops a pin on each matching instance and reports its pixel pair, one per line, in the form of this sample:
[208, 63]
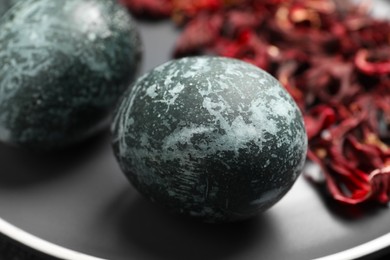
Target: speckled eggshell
[213, 138]
[4, 6]
[64, 65]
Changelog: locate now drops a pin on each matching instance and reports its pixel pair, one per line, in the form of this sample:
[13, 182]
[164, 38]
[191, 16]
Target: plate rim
[41, 245]
[53, 250]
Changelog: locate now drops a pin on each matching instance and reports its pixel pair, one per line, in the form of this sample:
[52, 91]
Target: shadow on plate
[158, 234]
[19, 167]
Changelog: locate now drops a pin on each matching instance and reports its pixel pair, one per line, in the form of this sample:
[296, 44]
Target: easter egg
[212, 138]
[64, 65]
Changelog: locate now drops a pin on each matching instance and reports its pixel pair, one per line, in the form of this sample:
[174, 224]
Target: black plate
[78, 205]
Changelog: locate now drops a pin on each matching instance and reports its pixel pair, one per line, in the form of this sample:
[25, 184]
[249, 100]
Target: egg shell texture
[213, 138]
[5, 5]
[64, 64]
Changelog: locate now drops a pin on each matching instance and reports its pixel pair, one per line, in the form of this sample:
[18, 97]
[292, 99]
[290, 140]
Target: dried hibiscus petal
[380, 183]
[373, 62]
[199, 33]
[319, 118]
[149, 8]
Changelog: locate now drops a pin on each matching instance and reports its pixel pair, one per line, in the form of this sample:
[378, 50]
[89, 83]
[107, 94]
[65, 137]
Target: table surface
[78, 199]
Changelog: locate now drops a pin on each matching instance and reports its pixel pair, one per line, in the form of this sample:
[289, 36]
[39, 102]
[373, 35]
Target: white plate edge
[41, 245]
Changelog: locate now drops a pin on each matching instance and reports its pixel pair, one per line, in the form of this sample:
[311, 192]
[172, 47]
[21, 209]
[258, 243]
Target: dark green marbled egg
[212, 138]
[63, 67]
